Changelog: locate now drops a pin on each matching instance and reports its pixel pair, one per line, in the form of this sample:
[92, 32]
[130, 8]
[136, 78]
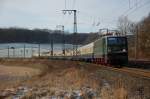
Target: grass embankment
[58, 76]
[13, 72]
[64, 74]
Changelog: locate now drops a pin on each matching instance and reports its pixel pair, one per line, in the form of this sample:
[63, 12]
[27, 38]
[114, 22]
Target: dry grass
[64, 75]
[58, 74]
[71, 75]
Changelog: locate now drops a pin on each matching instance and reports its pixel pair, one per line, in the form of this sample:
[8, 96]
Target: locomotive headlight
[124, 50]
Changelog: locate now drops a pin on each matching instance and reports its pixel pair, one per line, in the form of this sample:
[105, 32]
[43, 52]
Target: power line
[65, 3]
[132, 8]
[138, 8]
[129, 4]
[73, 5]
[136, 3]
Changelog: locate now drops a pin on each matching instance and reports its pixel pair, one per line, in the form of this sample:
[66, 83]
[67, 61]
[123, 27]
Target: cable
[138, 8]
[73, 5]
[129, 4]
[65, 3]
[136, 3]
[131, 8]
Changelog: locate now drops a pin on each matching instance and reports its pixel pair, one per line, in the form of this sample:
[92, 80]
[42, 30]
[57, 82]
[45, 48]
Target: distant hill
[19, 35]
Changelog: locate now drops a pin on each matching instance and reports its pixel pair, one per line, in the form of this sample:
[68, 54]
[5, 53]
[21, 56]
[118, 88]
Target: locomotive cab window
[117, 44]
[116, 40]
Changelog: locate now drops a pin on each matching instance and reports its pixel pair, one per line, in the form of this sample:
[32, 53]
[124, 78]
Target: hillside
[19, 35]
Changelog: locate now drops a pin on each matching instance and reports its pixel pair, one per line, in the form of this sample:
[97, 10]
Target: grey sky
[47, 13]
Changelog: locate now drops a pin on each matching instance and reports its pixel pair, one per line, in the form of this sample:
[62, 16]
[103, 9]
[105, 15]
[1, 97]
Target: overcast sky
[47, 13]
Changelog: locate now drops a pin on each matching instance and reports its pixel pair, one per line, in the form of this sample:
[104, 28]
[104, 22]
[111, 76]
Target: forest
[139, 41]
[20, 35]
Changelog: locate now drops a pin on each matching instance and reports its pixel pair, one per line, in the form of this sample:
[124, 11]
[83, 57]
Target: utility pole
[8, 51]
[63, 39]
[52, 46]
[14, 52]
[13, 48]
[24, 51]
[136, 42]
[39, 50]
[75, 46]
[32, 51]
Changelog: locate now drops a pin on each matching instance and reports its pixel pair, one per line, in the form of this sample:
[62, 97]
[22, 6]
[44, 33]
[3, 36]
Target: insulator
[70, 12]
[64, 12]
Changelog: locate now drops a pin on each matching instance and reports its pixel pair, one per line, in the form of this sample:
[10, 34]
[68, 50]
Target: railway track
[132, 72]
[140, 63]
[136, 68]
[137, 72]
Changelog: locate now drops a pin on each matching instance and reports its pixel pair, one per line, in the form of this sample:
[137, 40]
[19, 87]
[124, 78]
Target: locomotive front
[117, 50]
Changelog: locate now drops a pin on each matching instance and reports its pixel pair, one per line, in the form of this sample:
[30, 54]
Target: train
[107, 50]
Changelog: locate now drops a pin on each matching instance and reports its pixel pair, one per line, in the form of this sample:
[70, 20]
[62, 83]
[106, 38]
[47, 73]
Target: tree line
[139, 39]
[20, 35]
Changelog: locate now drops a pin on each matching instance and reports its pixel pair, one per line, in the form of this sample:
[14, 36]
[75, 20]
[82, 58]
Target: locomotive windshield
[116, 41]
[117, 44]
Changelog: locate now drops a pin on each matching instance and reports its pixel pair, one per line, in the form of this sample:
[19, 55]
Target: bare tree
[125, 26]
[144, 37]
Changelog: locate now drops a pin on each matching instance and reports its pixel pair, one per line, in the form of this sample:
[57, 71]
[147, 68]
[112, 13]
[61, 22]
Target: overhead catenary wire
[73, 5]
[135, 7]
[65, 20]
[136, 3]
[138, 7]
[94, 22]
[130, 8]
[65, 3]
[129, 4]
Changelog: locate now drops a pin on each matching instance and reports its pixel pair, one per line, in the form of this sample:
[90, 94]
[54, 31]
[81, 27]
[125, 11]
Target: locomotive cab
[117, 50]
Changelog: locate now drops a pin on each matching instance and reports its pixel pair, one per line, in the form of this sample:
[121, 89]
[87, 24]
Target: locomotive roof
[109, 36]
[92, 43]
[112, 36]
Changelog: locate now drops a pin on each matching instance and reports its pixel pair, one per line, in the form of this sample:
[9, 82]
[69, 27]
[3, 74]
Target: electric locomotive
[105, 50]
[111, 50]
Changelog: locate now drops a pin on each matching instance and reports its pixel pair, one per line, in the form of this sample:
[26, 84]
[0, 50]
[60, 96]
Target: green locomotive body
[111, 50]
